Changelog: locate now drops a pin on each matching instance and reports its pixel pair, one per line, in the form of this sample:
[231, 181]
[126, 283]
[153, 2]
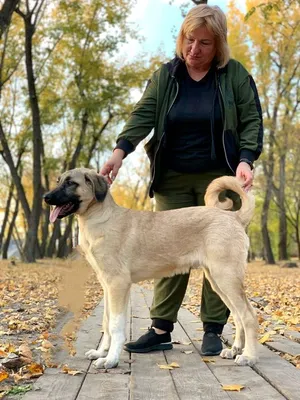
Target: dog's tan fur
[125, 246]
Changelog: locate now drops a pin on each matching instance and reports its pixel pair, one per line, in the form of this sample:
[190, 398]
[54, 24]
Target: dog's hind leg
[118, 295]
[105, 342]
[229, 286]
[239, 340]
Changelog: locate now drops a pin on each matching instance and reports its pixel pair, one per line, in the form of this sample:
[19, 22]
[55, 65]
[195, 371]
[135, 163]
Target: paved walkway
[138, 376]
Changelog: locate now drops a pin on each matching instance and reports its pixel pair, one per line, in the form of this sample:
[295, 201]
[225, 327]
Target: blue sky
[157, 21]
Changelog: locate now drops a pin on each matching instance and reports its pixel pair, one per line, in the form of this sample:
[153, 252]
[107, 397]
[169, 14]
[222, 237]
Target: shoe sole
[209, 353]
[167, 346]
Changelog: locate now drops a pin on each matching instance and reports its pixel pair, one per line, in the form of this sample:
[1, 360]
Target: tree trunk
[15, 176]
[7, 209]
[10, 231]
[268, 253]
[31, 245]
[45, 231]
[282, 245]
[64, 246]
[50, 252]
[18, 242]
[84, 124]
[5, 14]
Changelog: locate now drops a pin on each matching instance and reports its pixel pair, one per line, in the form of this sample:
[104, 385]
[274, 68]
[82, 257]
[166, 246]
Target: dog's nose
[46, 197]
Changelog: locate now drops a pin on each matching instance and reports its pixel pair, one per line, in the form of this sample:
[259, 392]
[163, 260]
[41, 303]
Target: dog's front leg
[118, 295]
[105, 343]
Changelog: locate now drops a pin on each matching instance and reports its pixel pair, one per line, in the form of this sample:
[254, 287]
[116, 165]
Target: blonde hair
[213, 18]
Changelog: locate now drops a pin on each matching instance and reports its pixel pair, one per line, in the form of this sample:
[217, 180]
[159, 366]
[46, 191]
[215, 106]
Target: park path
[139, 377]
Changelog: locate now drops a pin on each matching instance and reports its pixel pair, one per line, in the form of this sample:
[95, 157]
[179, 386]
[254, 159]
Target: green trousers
[179, 190]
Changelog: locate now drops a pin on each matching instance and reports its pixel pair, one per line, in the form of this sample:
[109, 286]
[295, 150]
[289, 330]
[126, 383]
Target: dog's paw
[99, 363]
[94, 354]
[242, 359]
[227, 353]
[105, 363]
[111, 363]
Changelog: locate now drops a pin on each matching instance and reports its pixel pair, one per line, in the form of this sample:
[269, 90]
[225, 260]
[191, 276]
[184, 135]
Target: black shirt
[194, 126]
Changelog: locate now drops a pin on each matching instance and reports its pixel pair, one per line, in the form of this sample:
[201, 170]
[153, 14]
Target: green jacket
[241, 110]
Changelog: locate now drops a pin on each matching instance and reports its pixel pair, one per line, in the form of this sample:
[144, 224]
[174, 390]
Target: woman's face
[199, 48]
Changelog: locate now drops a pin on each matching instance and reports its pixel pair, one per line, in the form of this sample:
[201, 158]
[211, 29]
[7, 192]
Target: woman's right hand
[111, 168]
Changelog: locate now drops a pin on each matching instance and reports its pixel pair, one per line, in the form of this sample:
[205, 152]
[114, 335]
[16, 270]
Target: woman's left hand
[245, 173]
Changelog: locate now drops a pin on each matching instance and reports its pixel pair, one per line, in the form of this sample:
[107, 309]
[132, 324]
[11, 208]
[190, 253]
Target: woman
[207, 122]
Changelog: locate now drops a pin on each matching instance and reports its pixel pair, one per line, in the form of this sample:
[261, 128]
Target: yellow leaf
[161, 366]
[74, 372]
[9, 348]
[233, 388]
[2, 354]
[174, 365]
[265, 338]
[186, 343]
[3, 375]
[35, 369]
[208, 360]
[294, 320]
[188, 352]
[69, 371]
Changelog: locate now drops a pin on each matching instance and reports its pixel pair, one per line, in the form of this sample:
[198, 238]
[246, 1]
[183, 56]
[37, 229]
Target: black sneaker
[149, 342]
[211, 345]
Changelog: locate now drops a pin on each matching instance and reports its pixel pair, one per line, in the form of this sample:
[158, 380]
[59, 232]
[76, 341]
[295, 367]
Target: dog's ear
[99, 185]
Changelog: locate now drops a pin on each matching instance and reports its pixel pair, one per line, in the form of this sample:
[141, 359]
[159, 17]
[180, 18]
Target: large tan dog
[125, 246]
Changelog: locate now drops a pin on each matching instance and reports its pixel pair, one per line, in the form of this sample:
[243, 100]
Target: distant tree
[6, 12]
[64, 102]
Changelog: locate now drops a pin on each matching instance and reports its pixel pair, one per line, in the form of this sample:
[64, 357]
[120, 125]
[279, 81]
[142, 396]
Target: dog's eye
[87, 180]
[69, 182]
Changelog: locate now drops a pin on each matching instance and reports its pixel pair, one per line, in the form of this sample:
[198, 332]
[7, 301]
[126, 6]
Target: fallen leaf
[208, 360]
[187, 351]
[2, 354]
[265, 338]
[174, 365]
[20, 389]
[3, 375]
[25, 353]
[35, 369]
[69, 371]
[233, 388]
[162, 366]
[186, 343]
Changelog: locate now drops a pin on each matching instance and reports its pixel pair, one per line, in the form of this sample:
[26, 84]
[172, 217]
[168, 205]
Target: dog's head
[76, 190]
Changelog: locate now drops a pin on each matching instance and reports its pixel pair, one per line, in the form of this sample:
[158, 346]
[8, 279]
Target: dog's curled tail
[218, 185]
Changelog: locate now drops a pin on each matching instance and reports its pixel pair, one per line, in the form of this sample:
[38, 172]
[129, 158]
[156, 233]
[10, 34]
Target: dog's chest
[88, 247]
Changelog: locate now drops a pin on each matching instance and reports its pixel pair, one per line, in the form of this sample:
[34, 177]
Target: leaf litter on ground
[41, 307]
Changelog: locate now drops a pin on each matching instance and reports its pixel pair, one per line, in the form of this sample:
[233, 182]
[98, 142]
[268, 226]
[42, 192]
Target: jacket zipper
[162, 136]
[224, 124]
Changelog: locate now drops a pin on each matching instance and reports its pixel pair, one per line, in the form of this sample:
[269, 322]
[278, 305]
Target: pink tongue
[54, 213]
